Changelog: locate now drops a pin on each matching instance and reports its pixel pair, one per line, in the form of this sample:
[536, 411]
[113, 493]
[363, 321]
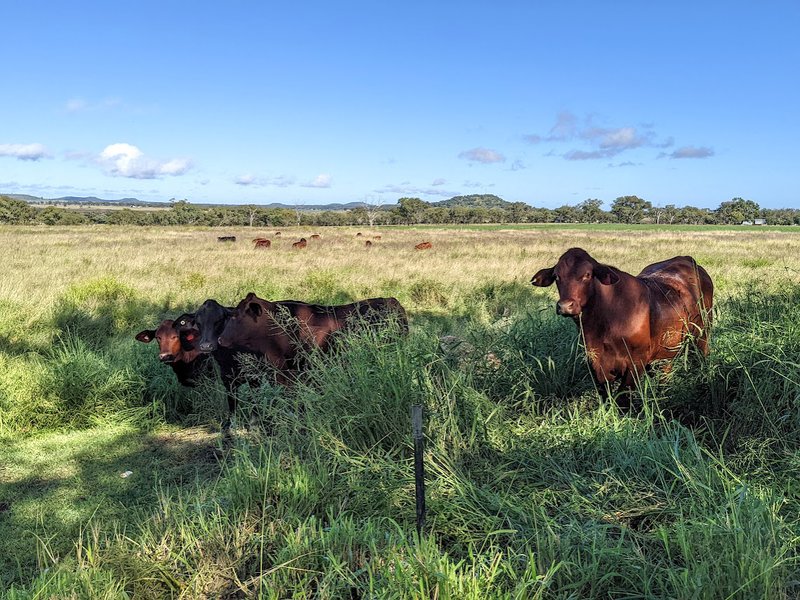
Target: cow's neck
[603, 309]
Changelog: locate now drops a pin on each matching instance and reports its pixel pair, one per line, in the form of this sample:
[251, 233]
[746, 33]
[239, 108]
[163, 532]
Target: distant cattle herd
[626, 322]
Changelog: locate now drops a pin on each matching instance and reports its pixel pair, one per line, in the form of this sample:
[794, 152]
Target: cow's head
[208, 321]
[171, 340]
[576, 275]
[240, 328]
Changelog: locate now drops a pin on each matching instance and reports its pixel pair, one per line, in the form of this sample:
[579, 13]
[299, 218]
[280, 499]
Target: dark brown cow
[177, 349]
[315, 236]
[283, 332]
[368, 244]
[277, 233]
[423, 246]
[208, 321]
[628, 322]
[300, 244]
[261, 243]
[359, 234]
[226, 238]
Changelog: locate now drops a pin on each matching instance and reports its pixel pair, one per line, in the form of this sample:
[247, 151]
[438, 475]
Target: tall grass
[537, 487]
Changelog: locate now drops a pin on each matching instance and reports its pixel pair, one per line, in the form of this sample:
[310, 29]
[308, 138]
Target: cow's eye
[182, 323]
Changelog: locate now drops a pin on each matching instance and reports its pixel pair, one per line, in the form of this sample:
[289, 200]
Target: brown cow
[282, 332]
[628, 322]
[423, 246]
[376, 237]
[368, 244]
[261, 243]
[226, 238]
[176, 349]
[301, 244]
[315, 236]
[277, 233]
[359, 234]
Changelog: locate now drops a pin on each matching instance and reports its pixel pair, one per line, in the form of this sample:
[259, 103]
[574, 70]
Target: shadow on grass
[52, 487]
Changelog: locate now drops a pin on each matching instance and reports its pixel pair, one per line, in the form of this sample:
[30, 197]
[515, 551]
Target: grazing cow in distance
[277, 233]
[177, 349]
[628, 322]
[368, 244]
[359, 234]
[315, 236]
[282, 332]
[423, 246]
[261, 243]
[300, 244]
[226, 238]
[376, 237]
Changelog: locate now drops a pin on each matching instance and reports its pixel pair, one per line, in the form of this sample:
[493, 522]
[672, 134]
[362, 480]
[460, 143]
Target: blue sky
[548, 103]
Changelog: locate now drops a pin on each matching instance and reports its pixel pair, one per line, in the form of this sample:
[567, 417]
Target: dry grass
[174, 267]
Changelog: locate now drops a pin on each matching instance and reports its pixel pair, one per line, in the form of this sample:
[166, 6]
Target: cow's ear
[253, 309]
[605, 275]
[182, 321]
[544, 278]
[148, 335]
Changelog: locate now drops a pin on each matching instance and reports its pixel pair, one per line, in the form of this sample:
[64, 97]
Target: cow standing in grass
[629, 322]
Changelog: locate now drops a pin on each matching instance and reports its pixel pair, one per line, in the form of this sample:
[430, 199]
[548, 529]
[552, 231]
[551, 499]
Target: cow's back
[681, 296]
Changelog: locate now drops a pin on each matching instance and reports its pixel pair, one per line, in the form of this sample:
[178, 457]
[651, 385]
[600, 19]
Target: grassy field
[537, 488]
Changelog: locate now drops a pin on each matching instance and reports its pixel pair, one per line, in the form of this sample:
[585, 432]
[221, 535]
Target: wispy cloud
[24, 151]
[565, 129]
[439, 181]
[482, 155]
[126, 160]
[78, 105]
[250, 179]
[600, 142]
[406, 189]
[692, 152]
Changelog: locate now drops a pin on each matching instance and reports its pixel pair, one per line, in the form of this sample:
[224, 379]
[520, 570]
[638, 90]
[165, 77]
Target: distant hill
[469, 201]
[474, 201]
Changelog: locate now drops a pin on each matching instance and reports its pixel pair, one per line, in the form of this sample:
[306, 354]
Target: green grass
[537, 487]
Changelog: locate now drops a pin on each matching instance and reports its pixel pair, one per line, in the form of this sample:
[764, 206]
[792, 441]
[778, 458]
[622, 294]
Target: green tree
[630, 209]
[411, 210]
[590, 211]
[14, 211]
[567, 214]
[736, 211]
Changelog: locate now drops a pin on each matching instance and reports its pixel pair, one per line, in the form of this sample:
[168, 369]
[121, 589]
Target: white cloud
[482, 155]
[320, 181]
[439, 181]
[24, 151]
[126, 160]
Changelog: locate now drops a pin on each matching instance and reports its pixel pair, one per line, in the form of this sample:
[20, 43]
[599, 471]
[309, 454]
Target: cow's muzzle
[568, 308]
[166, 358]
[207, 347]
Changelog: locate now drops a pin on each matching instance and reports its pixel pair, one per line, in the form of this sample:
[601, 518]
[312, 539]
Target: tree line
[407, 211]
